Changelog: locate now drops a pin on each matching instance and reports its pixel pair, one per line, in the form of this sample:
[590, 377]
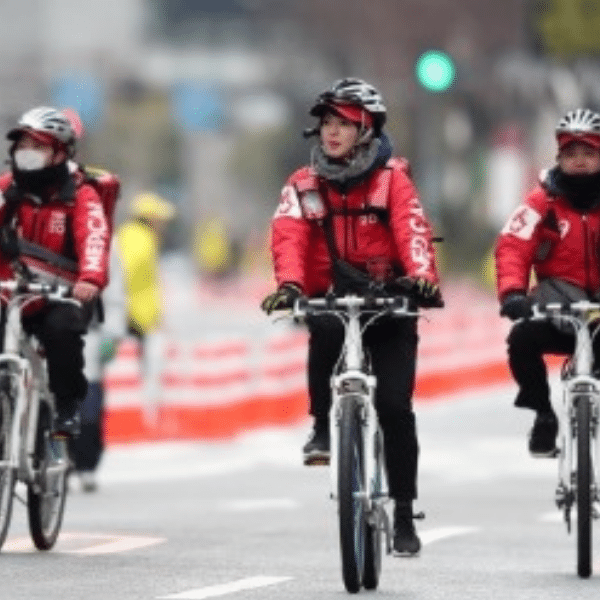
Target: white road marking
[434, 535]
[119, 544]
[213, 591]
[252, 504]
[111, 543]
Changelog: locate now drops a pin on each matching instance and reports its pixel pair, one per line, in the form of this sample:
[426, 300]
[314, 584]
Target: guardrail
[219, 387]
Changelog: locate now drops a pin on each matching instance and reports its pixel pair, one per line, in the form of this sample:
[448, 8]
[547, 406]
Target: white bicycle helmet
[582, 120]
[45, 119]
[353, 91]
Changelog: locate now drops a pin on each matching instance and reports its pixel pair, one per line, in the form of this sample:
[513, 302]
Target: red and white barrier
[217, 388]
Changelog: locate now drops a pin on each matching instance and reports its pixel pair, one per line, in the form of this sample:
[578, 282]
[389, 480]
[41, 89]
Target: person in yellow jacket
[139, 240]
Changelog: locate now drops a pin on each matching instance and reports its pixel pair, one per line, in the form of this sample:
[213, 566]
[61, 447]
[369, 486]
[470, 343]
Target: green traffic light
[435, 70]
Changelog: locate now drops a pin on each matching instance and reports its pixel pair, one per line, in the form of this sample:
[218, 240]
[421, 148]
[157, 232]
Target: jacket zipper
[346, 225]
[36, 225]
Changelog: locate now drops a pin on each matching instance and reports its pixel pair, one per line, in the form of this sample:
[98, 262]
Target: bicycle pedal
[316, 461]
[419, 516]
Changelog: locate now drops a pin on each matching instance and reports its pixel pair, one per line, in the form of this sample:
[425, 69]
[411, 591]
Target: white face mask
[30, 160]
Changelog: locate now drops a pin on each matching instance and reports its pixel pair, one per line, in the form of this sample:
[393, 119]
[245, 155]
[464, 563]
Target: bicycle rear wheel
[46, 496]
[584, 496]
[7, 473]
[353, 525]
[373, 551]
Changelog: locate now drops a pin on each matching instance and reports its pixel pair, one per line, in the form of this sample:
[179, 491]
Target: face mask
[30, 160]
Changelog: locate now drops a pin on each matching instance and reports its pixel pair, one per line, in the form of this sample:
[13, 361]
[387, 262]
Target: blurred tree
[274, 153]
[139, 139]
[565, 28]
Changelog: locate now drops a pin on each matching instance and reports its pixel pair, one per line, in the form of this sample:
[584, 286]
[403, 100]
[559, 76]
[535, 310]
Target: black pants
[392, 346]
[528, 341]
[60, 328]
[87, 448]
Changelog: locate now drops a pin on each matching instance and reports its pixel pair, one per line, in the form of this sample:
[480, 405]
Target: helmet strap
[365, 135]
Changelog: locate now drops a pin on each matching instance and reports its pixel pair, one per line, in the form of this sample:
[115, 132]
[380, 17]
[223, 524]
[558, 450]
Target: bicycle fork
[580, 389]
[355, 384]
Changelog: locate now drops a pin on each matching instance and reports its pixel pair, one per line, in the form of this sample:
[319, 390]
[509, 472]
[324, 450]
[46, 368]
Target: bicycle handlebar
[52, 291]
[564, 309]
[398, 305]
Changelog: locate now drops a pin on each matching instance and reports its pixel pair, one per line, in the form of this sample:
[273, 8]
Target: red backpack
[107, 186]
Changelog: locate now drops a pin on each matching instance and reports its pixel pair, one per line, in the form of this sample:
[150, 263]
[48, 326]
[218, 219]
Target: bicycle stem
[353, 341]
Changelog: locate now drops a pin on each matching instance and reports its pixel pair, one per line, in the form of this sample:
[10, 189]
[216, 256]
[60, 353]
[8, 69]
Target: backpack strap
[313, 200]
[549, 233]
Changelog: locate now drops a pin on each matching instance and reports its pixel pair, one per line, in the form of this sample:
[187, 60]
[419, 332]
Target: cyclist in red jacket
[357, 204]
[554, 234]
[46, 201]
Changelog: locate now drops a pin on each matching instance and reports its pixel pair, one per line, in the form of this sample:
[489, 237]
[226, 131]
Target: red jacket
[399, 235]
[547, 235]
[70, 222]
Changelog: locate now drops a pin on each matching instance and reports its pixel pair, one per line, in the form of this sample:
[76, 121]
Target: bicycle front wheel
[7, 472]
[373, 551]
[46, 496]
[584, 483]
[351, 487]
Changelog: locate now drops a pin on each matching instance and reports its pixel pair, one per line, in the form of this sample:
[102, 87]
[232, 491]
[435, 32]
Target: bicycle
[578, 425]
[358, 480]
[28, 451]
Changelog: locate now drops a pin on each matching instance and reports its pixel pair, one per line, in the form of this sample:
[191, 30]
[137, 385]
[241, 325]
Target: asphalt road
[242, 519]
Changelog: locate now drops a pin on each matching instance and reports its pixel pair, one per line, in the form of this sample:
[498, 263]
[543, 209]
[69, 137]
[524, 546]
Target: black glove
[9, 245]
[516, 306]
[424, 292]
[284, 297]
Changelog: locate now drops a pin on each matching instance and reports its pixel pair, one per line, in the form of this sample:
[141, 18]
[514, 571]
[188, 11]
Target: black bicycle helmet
[353, 91]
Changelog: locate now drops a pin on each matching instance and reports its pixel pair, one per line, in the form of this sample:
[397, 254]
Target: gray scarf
[340, 172]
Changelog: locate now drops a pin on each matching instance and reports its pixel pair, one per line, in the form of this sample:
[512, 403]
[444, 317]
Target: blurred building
[205, 100]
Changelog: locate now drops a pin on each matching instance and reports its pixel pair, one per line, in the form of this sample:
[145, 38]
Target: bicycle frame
[24, 368]
[578, 380]
[351, 376]
[578, 452]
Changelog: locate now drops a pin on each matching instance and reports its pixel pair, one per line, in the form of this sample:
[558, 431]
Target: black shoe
[542, 439]
[317, 448]
[67, 425]
[406, 540]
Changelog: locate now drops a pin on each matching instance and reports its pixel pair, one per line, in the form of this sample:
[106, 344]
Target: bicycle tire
[46, 499]
[373, 545]
[7, 472]
[584, 496]
[353, 526]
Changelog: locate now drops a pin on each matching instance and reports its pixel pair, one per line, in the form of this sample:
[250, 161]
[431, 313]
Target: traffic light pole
[428, 167]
